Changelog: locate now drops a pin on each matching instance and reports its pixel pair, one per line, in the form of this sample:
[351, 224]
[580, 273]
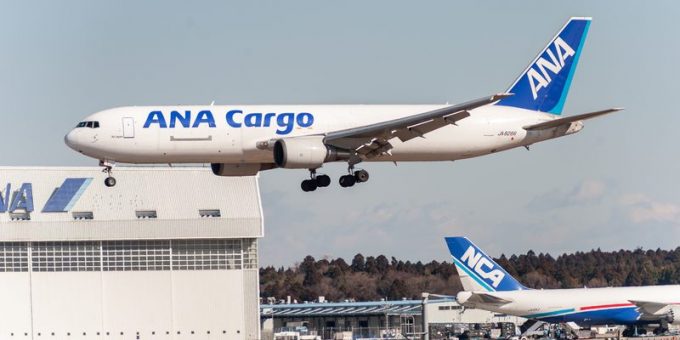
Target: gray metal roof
[400, 307]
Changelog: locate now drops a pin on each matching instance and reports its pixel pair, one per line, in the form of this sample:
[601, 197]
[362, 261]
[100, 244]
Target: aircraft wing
[568, 120]
[373, 139]
[652, 308]
[488, 299]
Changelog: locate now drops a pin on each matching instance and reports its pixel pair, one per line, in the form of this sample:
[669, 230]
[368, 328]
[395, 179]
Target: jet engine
[307, 152]
[673, 315]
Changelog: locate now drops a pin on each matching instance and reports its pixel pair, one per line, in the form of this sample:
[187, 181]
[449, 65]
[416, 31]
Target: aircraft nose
[72, 139]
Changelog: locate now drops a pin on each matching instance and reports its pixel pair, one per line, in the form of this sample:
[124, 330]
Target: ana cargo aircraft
[488, 286]
[241, 140]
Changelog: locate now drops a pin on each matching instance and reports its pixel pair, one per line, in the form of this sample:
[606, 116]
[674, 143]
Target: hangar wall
[165, 254]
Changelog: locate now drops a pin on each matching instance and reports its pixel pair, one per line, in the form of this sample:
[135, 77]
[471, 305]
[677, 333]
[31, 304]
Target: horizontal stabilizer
[568, 120]
[488, 299]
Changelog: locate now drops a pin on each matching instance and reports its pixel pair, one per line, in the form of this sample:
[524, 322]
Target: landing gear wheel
[308, 185]
[315, 181]
[659, 331]
[323, 181]
[347, 181]
[361, 176]
[108, 169]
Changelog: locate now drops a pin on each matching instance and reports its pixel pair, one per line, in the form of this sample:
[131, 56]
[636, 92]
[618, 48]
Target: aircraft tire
[361, 176]
[323, 181]
[347, 181]
[308, 185]
[110, 182]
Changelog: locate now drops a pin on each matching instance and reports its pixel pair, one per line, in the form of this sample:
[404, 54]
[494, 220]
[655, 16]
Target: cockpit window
[89, 124]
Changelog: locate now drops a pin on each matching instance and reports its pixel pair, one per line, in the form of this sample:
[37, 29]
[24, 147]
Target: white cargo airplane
[240, 140]
[488, 286]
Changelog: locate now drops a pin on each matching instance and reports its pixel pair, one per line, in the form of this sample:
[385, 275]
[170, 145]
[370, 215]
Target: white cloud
[588, 190]
[585, 192]
[632, 199]
[642, 209]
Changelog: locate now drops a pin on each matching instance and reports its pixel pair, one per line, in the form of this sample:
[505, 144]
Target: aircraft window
[90, 124]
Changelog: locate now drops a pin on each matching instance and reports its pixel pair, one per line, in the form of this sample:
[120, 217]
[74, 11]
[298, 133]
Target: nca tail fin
[477, 271]
[544, 85]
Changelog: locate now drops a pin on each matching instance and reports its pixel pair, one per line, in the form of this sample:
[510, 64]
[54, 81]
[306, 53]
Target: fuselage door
[128, 127]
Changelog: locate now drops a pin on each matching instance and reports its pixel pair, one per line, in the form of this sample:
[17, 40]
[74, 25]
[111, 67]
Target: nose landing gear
[110, 181]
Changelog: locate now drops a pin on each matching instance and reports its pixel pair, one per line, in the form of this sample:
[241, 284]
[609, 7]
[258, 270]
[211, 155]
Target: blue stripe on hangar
[67, 195]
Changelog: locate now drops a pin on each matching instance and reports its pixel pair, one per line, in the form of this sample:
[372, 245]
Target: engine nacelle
[235, 170]
[673, 315]
[308, 152]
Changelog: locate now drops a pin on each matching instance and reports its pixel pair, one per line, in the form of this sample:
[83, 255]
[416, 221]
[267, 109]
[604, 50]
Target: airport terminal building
[168, 253]
[410, 319]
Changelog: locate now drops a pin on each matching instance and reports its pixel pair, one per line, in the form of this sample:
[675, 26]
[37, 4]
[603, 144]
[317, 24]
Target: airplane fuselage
[230, 134]
[585, 306]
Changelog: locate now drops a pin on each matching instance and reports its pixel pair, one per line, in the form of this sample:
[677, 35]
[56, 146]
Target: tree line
[374, 278]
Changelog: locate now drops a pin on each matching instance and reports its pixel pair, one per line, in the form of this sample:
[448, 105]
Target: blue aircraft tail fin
[477, 271]
[544, 85]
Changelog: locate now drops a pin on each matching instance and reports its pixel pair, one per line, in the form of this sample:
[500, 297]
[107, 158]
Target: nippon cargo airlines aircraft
[488, 286]
[241, 140]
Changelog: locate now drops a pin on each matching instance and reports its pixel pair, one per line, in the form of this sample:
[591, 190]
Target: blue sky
[614, 185]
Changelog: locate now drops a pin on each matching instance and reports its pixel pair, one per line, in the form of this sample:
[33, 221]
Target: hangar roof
[343, 309]
[72, 203]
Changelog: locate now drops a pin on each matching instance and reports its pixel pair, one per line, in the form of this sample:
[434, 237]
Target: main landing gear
[322, 181]
[110, 181]
[359, 176]
[315, 181]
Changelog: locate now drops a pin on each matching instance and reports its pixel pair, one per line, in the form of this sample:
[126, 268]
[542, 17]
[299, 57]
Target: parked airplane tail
[477, 271]
[544, 85]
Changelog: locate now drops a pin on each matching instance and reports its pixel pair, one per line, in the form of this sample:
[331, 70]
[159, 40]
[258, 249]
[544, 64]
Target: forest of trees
[373, 278]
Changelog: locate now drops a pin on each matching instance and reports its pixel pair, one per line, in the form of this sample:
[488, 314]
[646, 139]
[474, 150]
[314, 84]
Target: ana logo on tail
[477, 262]
[538, 76]
[544, 85]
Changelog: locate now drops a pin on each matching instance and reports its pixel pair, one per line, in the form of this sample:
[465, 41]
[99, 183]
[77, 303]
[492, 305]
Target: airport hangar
[168, 253]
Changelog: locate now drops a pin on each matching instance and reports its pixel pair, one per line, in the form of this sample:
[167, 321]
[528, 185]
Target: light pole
[426, 332]
[426, 299]
[387, 318]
